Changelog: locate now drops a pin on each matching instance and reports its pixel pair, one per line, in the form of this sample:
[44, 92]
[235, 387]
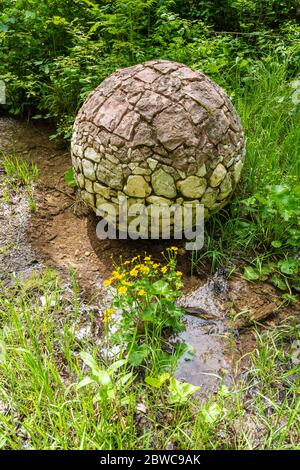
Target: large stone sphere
[158, 133]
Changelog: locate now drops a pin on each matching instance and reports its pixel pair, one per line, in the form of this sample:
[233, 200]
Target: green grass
[270, 116]
[18, 170]
[41, 406]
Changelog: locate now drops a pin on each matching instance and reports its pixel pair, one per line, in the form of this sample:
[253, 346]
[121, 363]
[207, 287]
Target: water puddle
[207, 335]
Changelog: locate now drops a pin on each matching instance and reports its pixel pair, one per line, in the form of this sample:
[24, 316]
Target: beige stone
[91, 154]
[209, 197]
[237, 170]
[163, 184]
[192, 187]
[137, 186]
[202, 170]
[225, 187]
[218, 175]
[158, 200]
[88, 170]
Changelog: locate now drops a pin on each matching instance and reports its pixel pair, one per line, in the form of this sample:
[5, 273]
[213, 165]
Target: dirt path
[62, 233]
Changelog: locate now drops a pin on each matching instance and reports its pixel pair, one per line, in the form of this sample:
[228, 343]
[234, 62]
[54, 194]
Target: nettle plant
[277, 216]
[144, 297]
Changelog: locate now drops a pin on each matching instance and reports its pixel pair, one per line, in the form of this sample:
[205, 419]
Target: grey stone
[141, 171]
[88, 198]
[88, 169]
[107, 176]
[152, 163]
[237, 170]
[174, 128]
[201, 171]
[225, 187]
[91, 154]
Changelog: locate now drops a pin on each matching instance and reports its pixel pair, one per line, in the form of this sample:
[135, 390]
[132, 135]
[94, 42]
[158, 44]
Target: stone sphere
[158, 133]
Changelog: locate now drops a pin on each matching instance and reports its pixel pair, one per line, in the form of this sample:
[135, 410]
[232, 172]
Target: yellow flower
[144, 269]
[134, 272]
[178, 273]
[141, 292]
[164, 269]
[174, 248]
[126, 262]
[117, 275]
[107, 282]
[126, 283]
[122, 290]
[147, 258]
[108, 313]
[134, 259]
[155, 265]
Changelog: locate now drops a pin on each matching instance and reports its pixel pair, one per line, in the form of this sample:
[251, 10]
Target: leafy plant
[277, 215]
[69, 178]
[180, 392]
[145, 293]
[109, 382]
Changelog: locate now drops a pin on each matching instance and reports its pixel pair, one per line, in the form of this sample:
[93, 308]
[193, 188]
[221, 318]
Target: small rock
[218, 175]
[163, 184]
[137, 186]
[192, 187]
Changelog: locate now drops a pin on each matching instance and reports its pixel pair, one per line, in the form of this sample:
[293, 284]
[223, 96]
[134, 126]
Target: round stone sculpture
[158, 133]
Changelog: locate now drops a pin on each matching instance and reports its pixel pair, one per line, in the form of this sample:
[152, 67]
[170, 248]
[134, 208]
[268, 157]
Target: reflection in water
[207, 335]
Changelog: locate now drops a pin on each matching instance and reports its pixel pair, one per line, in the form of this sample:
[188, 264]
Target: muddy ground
[61, 232]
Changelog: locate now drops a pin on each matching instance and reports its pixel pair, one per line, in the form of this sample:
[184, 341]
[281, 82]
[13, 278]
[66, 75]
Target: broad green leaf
[212, 413]
[117, 365]
[276, 243]
[103, 378]
[148, 314]
[69, 178]
[157, 382]
[288, 266]
[180, 392]
[162, 288]
[138, 354]
[84, 382]
[250, 274]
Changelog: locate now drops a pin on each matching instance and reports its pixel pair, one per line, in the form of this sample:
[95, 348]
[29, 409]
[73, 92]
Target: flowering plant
[145, 294]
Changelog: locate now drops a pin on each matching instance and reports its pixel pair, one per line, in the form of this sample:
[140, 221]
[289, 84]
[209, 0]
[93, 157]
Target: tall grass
[267, 104]
[42, 407]
[269, 109]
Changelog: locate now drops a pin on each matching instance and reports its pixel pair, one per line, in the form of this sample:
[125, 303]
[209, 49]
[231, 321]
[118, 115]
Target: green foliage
[57, 391]
[69, 178]
[18, 171]
[260, 227]
[111, 383]
[276, 216]
[52, 54]
[179, 393]
[145, 293]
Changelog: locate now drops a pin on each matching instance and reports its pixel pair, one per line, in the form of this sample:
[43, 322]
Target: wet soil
[62, 233]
